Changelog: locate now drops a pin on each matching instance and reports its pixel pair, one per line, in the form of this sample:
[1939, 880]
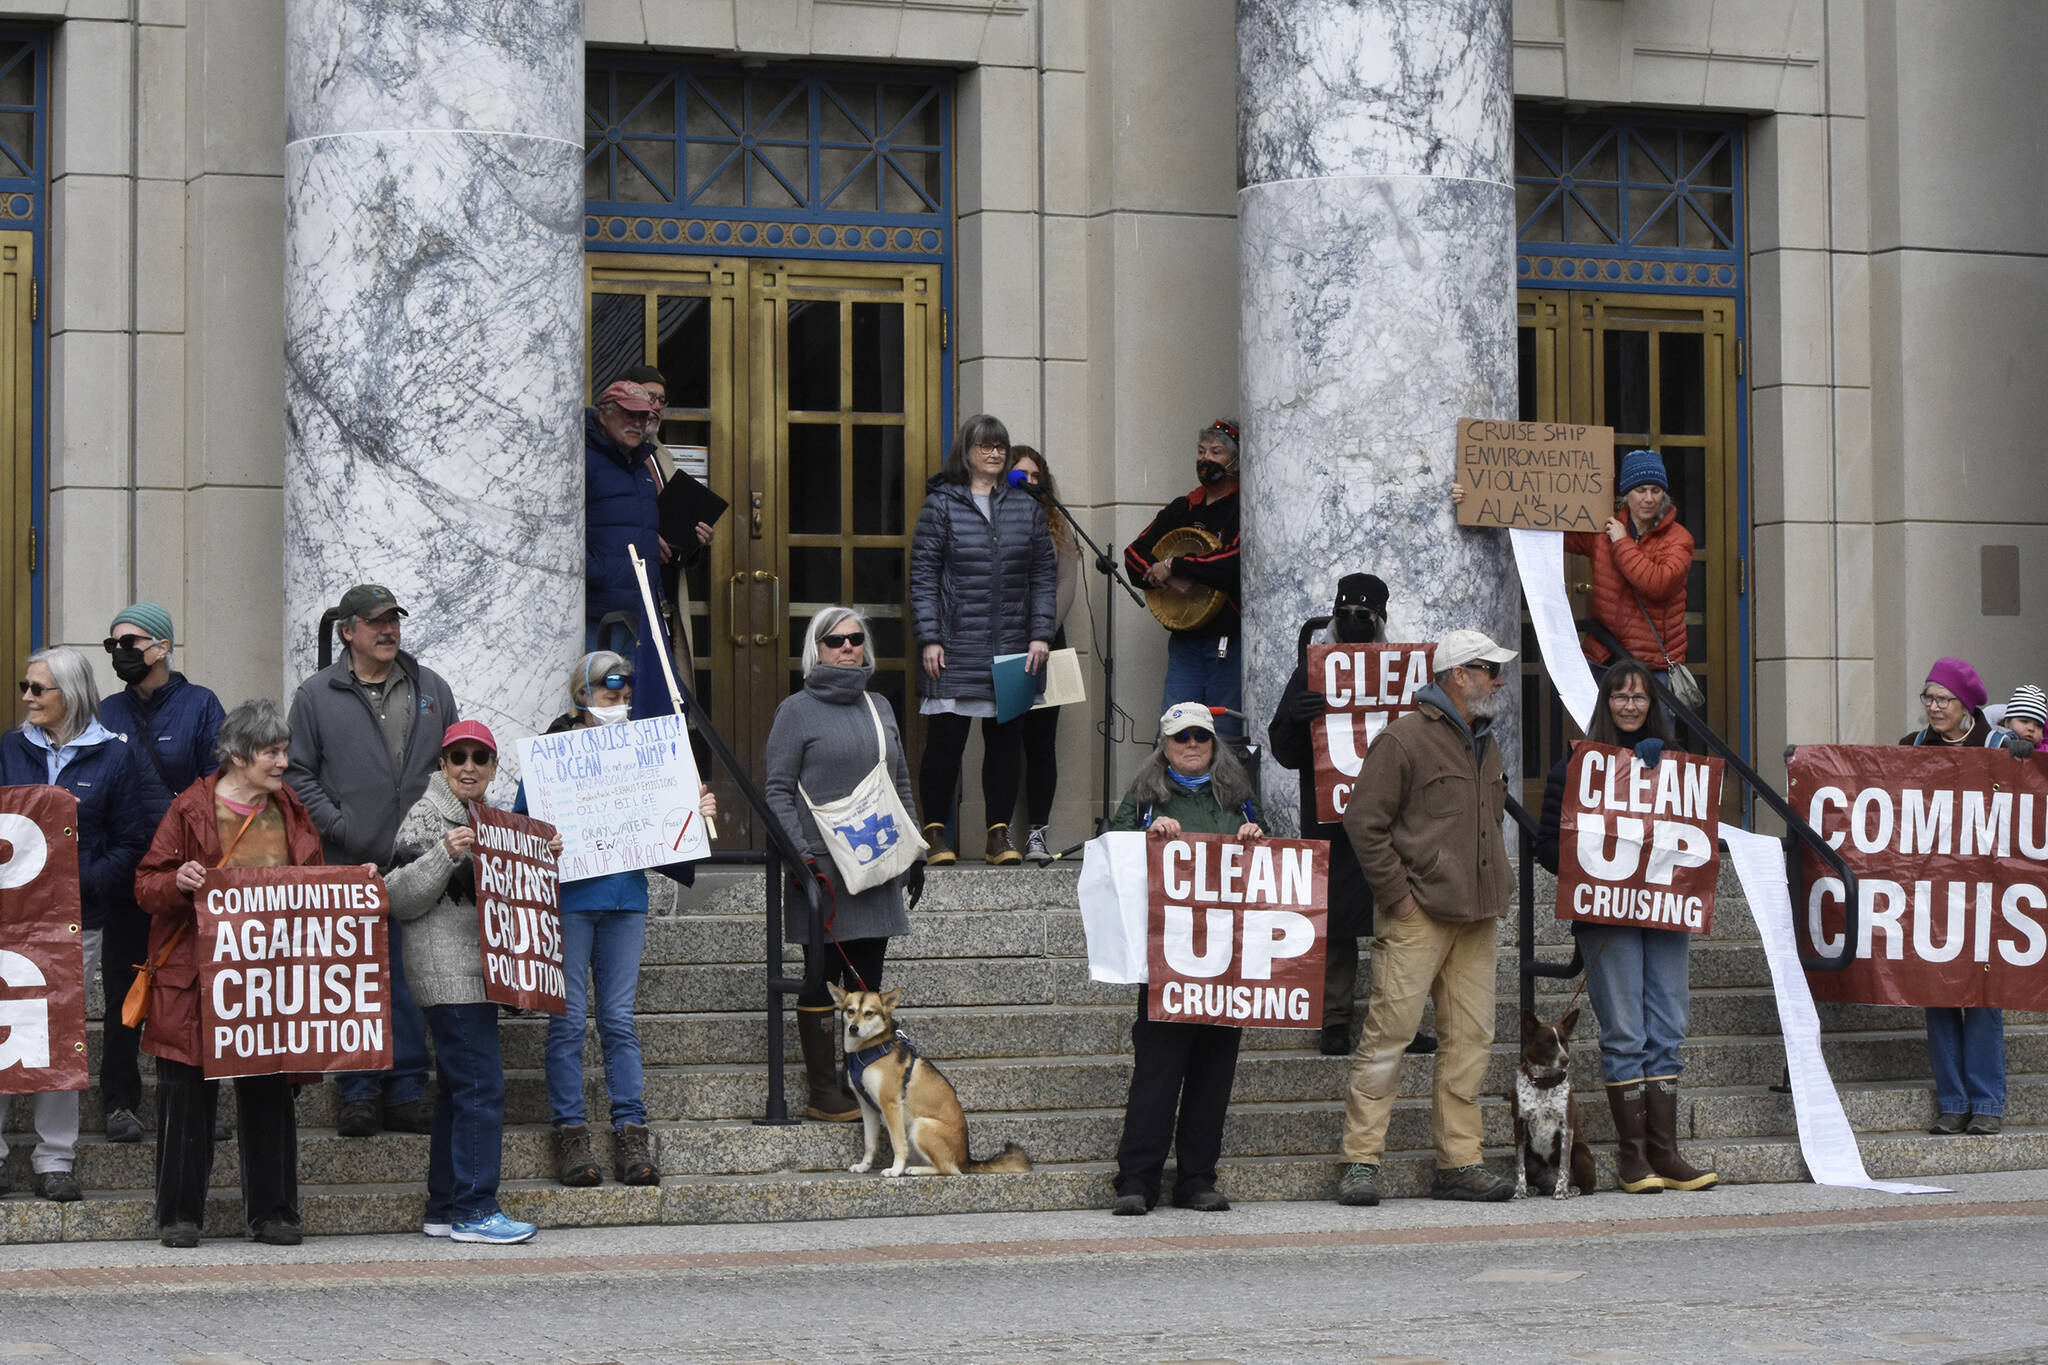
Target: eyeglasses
[114, 642]
[1192, 735]
[29, 689]
[389, 620]
[1629, 699]
[1934, 703]
[617, 682]
[999, 447]
[456, 758]
[1486, 666]
[852, 637]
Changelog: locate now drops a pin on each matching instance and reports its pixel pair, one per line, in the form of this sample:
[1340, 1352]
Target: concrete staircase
[996, 989]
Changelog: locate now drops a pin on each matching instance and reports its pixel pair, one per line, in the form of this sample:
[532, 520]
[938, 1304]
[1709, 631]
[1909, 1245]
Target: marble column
[1376, 241]
[434, 326]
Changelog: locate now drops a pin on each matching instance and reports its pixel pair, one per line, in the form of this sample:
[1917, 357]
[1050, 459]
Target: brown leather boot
[938, 853]
[633, 1154]
[831, 1101]
[1631, 1162]
[574, 1166]
[999, 853]
[1661, 1112]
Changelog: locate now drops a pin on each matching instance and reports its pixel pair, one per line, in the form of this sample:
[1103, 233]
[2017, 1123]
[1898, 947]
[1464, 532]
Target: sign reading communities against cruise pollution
[42, 957]
[1638, 846]
[623, 796]
[1535, 476]
[1950, 851]
[519, 911]
[294, 970]
[1363, 687]
[1235, 930]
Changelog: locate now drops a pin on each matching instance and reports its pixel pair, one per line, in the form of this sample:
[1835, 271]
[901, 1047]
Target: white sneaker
[1035, 850]
[438, 1229]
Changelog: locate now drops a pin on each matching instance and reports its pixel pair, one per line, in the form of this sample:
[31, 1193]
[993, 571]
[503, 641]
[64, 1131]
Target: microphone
[1019, 479]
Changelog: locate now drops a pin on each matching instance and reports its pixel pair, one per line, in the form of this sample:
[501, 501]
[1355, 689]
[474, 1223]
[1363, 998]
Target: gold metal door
[17, 437]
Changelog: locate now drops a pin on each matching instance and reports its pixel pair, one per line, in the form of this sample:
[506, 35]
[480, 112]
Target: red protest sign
[1235, 930]
[1363, 687]
[1950, 851]
[42, 958]
[1639, 846]
[294, 970]
[519, 911]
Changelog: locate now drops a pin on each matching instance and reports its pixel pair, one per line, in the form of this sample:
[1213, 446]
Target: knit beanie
[149, 616]
[1639, 467]
[1958, 677]
[2028, 703]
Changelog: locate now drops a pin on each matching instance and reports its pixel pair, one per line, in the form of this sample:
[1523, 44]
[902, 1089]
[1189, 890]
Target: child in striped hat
[2026, 715]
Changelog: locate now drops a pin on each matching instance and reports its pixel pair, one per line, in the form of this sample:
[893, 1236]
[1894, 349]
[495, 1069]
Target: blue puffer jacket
[111, 834]
[619, 510]
[179, 723]
[980, 586]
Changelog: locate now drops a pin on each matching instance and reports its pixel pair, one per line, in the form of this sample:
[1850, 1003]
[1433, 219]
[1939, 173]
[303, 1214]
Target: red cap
[469, 729]
[629, 396]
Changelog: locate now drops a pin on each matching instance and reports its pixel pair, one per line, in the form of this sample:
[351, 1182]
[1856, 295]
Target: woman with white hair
[60, 743]
[827, 742]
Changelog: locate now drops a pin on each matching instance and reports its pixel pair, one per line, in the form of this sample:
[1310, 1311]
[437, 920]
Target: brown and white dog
[909, 1095]
[1550, 1155]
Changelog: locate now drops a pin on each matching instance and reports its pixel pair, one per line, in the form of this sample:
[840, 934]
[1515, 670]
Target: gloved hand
[913, 884]
[824, 882]
[1303, 709]
[2019, 748]
[1650, 751]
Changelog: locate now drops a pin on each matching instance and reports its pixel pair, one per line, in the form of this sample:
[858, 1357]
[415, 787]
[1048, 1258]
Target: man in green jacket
[1425, 821]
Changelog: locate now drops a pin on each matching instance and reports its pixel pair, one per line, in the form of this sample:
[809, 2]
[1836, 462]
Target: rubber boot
[1631, 1160]
[831, 1100]
[574, 1165]
[1661, 1110]
[938, 853]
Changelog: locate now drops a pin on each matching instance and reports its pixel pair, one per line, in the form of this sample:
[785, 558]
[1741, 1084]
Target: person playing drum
[1188, 560]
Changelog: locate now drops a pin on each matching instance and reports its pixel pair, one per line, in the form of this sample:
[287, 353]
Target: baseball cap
[1186, 715]
[366, 600]
[629, 396]
[1467, 647]
[469, 729]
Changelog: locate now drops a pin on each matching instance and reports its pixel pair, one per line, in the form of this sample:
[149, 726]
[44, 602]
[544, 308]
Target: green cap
[366, 600]
[149, 616]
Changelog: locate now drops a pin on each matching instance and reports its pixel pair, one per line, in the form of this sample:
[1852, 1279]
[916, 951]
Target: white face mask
[610, 715]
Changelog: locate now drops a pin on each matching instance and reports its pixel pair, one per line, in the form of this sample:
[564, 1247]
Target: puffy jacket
[1292, 747]
[179, 723]
[1656, 565]
[111, 831]
[341, 769]
[1425, 816]
[619, 511]
[190, 832]
[980, 586]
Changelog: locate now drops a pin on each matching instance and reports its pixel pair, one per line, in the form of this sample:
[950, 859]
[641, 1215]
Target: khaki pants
[1413, 959]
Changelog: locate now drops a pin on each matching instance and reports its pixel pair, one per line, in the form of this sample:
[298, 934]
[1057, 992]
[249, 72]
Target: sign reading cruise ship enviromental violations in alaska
[1638, 845]
[1536, 476]
[294, 970]
[1235, 930]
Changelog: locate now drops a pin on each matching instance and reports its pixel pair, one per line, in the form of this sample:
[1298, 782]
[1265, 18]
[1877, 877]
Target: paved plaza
[1765, 1273]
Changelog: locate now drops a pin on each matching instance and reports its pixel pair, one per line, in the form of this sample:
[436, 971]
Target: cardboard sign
[1363, 687]
[42, 957]
[1235, 930]
[519, 911]
[1950, 851]
[623, 796]
[1638, 847]
[1539, 476]
[294, 970]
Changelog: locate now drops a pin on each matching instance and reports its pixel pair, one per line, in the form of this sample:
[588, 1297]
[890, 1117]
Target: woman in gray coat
[823, 741]
[983, 582]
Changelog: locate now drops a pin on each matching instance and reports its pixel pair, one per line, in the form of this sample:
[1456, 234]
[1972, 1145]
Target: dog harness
[857, 1062]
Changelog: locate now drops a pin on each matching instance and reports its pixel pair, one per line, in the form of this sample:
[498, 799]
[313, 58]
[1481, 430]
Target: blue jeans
[1967, 1047]
[1638, 982]
[467, 1148]
[407, 1078]
[604, 944]
[1194, 673]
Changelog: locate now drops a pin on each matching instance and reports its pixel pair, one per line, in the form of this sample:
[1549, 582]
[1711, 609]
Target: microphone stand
[1113, 571]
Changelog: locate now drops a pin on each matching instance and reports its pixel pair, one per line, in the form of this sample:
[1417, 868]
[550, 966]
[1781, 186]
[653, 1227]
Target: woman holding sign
[242, 816]
[1181, 1079]
[1639, 979]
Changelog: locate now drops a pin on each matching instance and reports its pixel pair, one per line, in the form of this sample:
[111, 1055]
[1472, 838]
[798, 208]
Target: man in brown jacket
[1425, 821]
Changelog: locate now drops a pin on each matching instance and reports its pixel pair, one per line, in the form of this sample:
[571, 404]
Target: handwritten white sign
[623, 796]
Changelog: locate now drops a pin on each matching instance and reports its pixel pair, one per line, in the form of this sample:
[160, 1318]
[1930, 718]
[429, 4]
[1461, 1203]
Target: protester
[1425, 820]
[242, 816]
[983, 582]
[1966, 1045]
[650, 379]
[1637, 978]
[61, 743]
[171, 726]
[1181, 1074]
[1202, 662]
[432, 882]
[1042, 723]
[604, 929]
[366, 738]
[620, 515]
[827, 740]
[2026, 715]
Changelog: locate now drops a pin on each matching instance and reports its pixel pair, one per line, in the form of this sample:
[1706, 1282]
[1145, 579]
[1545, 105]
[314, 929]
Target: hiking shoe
[1985, 1124]
[1422, 1046]
[633, 1148]
[938, 853]
[359, 1118]
[409, 1116]
[123, 1126]
[1203, 1201]
[179, 1234]
[496, 1229]
[574, 1165]
[1130, 1206]
[1334, 1040]
[1473, 1183]
[1036, 852]
[999, 853]
[59, 1187]
[278, 1233]
[1360, 1187]
[437, 1229]
[1946, 1124]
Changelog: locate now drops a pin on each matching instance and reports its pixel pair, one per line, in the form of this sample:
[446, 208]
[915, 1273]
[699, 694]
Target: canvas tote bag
[868, 833]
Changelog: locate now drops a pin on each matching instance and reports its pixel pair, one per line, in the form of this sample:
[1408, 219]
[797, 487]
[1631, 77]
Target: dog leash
[1585, 977]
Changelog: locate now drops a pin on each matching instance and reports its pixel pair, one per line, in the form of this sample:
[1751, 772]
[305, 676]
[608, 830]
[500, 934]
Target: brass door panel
[17, 432]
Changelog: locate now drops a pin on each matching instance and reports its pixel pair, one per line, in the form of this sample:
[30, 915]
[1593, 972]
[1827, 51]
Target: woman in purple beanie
[1967, 1045]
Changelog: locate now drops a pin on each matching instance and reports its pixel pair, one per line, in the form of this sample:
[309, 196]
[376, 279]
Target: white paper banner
[623, 796]
[1826, 1140]
[1113, 905]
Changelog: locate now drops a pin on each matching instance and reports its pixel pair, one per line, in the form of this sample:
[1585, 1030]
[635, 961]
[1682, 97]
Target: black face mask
[1356, 625]
[1210, 472]
[129, 665]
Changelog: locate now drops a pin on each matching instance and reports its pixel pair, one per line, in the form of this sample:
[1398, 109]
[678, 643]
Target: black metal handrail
[1527, 832]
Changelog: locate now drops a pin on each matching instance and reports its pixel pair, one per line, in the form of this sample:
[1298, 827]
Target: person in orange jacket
[1641, 561]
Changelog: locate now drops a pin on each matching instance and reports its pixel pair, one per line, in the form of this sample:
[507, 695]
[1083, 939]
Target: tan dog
[912, 1097]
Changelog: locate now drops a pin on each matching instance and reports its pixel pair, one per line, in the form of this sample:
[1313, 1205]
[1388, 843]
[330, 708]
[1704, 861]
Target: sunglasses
[29, 689]
[114, 642]
[1192, 735]
[617, 682]
[841, 641]
[456, 758]
[1490, 669]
